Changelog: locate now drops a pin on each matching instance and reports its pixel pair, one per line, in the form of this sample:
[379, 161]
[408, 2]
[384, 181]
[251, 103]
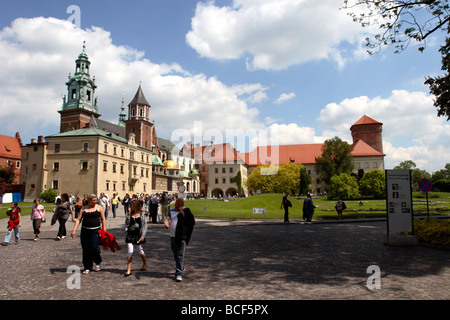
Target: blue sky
[295, 66]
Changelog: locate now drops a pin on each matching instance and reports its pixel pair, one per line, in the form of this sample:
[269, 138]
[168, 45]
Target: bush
[49, 195]
[442, 185]
[433, 231]
[344, 186]
[373, 184]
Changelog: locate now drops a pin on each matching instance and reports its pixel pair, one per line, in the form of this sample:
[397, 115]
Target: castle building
[90, 155]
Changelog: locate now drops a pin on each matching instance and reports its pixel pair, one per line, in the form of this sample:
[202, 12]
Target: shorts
[130, 247]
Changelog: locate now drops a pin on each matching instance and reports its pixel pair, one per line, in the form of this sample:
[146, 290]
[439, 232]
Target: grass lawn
[242, 208]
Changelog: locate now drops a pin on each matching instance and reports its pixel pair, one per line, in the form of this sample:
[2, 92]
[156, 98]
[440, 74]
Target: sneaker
[97, 268]
[5, 244]
[63, 237]
[58, 238]
[36, 238]
[179, 278]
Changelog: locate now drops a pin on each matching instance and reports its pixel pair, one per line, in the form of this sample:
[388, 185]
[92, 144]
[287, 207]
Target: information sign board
[399, 202]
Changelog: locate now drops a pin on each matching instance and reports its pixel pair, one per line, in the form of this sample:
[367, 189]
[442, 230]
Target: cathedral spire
[79, 105]
[122, 115]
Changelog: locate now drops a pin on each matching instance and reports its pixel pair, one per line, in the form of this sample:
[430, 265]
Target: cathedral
[90, 155]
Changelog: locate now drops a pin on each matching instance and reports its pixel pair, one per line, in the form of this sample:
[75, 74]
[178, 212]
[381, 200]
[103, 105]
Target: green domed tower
[79, 106]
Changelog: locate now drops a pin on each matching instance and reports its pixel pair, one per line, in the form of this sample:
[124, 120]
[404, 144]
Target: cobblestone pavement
[230, 260]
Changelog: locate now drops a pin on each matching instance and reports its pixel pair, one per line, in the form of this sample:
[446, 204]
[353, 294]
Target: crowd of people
[91, 213]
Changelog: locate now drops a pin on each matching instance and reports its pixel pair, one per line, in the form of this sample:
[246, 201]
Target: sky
[247, 72]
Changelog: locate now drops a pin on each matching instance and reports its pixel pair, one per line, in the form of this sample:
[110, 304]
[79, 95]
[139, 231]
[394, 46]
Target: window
[55, 184]
[115, 150]
[105, 148]
[88, 95]
[105, 166]
[375, 165]
[107, 185]
[57, 147]
[114, 185]
[216, 170]
[122, 152]
[216, 181]
[231, 170]
[84, 165]
[34, 166]
[223, 170]
[85, 146]
[131, 154]
[56, 166]
[231, 180]
[122, 168]
[74, 94]
[123, 185]
[114, 166]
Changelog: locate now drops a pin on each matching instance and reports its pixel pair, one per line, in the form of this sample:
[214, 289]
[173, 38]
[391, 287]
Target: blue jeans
[16, 235]
[178, 254]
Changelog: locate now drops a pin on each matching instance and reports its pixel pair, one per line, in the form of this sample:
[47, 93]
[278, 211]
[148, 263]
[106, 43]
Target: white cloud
[285, 97]
[39, 54]
[411, 128]
[275, 33]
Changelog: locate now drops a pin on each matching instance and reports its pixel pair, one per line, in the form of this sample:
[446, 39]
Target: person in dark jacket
[63, 212]
[308, 208]
[180, 221]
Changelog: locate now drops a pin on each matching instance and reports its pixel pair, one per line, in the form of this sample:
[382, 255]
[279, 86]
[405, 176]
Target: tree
[238, 180]
[399, 23]
[441, 174]
[344, 186]
[287, 179]
[440, 85]
[7, 176]
[335, 159]
[373, 184]
[305, 181]
[405, 165]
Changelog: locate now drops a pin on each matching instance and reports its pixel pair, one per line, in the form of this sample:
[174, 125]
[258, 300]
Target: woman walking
[181, 223]
[14, 222]
[91, 218]
[63, 211]
[136, 230]
[37, 216]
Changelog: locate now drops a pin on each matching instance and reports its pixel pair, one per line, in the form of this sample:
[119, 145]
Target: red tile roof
[361, 148]
[10, 148]
[296, 153]
[365, 120]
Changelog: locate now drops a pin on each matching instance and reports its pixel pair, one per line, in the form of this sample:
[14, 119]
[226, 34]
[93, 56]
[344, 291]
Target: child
[136, 230]
[37, 216]
[13, 223]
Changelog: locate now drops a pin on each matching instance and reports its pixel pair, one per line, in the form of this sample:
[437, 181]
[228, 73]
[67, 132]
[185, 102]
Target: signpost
[181, 190]
[425, 186]
[399, 208]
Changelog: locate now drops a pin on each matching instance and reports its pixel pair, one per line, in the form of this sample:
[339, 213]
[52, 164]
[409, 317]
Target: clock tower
[79, 105]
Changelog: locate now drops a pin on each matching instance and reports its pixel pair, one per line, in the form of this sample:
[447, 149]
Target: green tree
[238, 180]
[405, 165]
[344, 186]
[286, 179]
[305, 181]
[49, 195]
[373, 184]
[441, 174]
[335, 159]
[401, 22]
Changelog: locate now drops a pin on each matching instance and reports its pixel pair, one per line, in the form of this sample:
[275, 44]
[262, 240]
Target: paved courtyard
[230, 260]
